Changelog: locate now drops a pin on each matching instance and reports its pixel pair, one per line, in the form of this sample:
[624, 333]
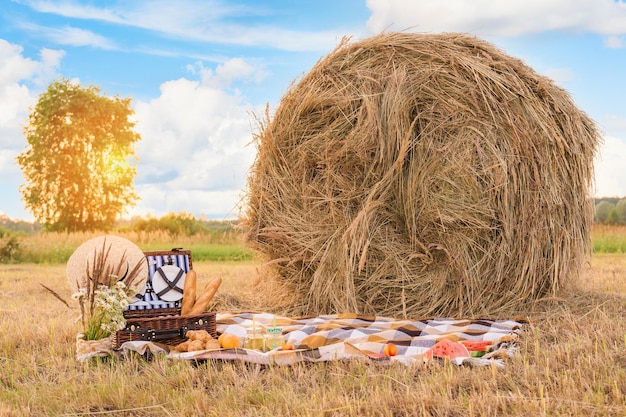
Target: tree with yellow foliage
[79, 163]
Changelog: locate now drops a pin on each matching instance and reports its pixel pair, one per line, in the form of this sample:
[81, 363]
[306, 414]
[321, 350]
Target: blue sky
[198, 70]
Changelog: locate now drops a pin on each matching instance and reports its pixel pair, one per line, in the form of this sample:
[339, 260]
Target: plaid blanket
[345, 336]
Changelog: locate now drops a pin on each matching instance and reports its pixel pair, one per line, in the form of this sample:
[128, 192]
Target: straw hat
[107, 258]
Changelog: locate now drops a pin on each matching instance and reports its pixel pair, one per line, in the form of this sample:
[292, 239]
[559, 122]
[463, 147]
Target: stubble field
[572, 361]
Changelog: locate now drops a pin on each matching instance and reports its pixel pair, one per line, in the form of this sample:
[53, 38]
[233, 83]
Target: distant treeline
[175, 224]
[178, 224]
[610, 210]
[607, 210]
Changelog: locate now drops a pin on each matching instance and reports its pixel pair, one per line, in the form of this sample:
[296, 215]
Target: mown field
[572, 359]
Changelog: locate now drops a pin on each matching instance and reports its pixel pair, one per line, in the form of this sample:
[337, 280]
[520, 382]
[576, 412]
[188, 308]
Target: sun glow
[113, 166]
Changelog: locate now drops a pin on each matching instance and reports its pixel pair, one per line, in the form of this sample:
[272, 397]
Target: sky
[201, 73]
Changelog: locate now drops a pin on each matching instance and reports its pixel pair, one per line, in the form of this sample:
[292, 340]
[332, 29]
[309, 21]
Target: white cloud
[72, 9]
[159, 14]
[18, 76]
[16, 71]
[610, 175]
[226, 73]
[205, 21]
[77, 37]
[8, 167]
[69, 35]
[615, 42]
[499, 18]
[13, 66]
[50, 62]
[157, 201]
[614, 123]
[14, 98]
[559, 75]
[194, 150]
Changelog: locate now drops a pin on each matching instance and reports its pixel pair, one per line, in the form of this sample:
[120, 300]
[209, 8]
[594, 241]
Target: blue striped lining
[150, 299]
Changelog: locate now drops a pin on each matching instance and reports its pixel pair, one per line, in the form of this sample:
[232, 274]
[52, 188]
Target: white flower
[107, 310]
[80, 294]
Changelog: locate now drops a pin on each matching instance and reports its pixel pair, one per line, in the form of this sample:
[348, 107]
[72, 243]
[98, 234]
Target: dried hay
[414, 175]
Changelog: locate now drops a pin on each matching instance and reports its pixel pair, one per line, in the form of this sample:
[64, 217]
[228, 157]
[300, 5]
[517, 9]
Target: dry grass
[420, 174]
[572, 362]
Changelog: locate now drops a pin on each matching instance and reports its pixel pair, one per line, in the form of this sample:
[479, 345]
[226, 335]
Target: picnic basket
[155, 316]
[169, 330]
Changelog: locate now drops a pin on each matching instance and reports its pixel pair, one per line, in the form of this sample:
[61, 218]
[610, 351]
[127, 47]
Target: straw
[419, 175]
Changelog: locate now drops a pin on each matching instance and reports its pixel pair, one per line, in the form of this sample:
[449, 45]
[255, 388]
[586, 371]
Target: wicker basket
[169, 330]
[163, 325]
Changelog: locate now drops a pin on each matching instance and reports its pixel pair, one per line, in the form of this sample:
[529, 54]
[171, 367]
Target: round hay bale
[421, 174]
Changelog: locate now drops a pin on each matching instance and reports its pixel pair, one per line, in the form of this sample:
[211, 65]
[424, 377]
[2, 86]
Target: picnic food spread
[353, 336]
[197, 340]
[168, 316]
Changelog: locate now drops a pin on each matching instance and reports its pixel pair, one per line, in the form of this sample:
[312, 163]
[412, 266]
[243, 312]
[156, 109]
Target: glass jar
[273, 339]
[254, 339]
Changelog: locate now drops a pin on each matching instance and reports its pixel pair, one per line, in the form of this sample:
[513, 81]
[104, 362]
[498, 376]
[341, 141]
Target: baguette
[207, 295]
[189, 292]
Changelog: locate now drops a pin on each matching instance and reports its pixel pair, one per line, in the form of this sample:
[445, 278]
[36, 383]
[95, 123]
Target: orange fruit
[229, 341]
[390, 349]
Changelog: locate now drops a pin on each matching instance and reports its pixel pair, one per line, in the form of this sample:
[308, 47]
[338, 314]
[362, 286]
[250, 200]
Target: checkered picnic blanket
[345, 336]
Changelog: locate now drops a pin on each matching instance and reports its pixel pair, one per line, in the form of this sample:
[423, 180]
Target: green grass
[608, 239]
[215, 252]
[609, 246]
[218, 252]
[56, 248]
